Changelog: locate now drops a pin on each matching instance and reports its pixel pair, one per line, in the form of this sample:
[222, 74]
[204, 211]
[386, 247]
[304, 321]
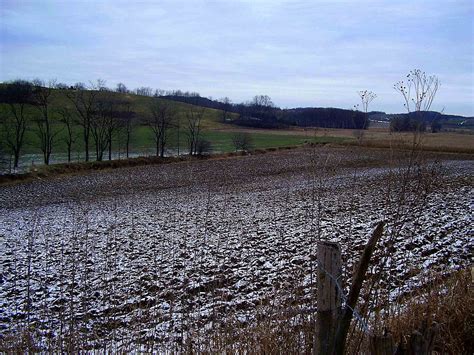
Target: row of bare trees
[92, 115]
[101, 116]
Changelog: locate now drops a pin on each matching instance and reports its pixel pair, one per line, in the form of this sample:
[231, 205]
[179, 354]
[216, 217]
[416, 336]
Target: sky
[301, 53]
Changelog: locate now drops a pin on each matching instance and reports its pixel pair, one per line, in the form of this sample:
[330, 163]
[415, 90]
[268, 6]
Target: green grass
[222, 141]
[142, 141]
[142, 137]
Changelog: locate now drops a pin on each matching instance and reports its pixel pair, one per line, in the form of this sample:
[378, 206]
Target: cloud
[299, 52]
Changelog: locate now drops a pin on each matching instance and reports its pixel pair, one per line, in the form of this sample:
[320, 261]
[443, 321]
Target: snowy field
[156, 254]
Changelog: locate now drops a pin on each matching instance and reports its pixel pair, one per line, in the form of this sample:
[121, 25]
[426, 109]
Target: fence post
[329, 296]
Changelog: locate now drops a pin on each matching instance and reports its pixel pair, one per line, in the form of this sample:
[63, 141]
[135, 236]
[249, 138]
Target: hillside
[142, 139]
[258, 123]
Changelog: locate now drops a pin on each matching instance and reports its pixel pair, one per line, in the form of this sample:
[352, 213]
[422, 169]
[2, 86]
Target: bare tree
[84, 102]
[118, 116]
[159, 92]
[61, 86]
[102, 126]
[194, 118]
[262, 101]
[418, 91]
[226, 106]
[67, 119]
[46, 126]
[17, 96]
[100, 85]
[242, 141]
[37, 82]
[366, 97]
[79, 86]
[144, 91]
[121, 88]
[126, 123]
[162, 119]
[3, 155]
[203, 146]
[113, 122]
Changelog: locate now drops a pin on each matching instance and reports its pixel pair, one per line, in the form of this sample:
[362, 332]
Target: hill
[141, 140]
[252, 115]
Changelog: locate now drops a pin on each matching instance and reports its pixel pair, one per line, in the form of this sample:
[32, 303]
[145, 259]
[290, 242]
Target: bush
[242, 141]
[405, 123]
[203, 146]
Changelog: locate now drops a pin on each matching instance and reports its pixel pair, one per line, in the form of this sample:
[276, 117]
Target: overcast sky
[300, 53]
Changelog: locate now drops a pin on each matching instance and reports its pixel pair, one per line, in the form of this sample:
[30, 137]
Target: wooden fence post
[329, 296]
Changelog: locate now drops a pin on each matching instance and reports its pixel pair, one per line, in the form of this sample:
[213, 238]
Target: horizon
[300, 53]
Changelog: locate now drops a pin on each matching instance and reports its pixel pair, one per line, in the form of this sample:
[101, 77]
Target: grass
[142, 141]
[222, 140]
[140, 104]
[220, 134]
[447, 303]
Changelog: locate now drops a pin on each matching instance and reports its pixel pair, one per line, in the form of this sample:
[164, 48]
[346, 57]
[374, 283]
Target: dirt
[156, 253]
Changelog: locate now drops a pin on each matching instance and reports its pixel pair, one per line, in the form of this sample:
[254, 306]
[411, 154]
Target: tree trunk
[16, 158]
[86, 147]
[110, 148]
[128, 142]
[69, 153]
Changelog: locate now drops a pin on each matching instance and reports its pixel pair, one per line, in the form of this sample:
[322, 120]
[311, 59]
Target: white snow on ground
[154, 262]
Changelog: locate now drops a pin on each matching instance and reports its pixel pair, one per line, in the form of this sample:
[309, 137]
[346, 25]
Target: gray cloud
[301, 53]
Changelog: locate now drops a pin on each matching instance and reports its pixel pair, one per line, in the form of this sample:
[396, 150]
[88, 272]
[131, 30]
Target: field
[176, 257]
[219, 134]
[453, 141]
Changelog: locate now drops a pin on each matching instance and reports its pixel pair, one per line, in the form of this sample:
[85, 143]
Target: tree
[100, 85]
[203, 146]
[436, 125]
[366, 97]
[194, 117]
[121, 88]
[242, 141]
[226, 107]
[160, 122]
[84, 102]
[16, 96]
[3, 156]
[113, 118]
[61, 86]
[418, 92]
[67, 119]
[159, 92]
[126, 123]
[407, 123]
[262, 101]
[46, 131]
[79, 86]
[260, 107]
[144, 91]
[103, 125]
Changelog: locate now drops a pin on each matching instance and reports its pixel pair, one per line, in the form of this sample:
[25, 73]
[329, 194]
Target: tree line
[261, 112]
[90, 113]
[102, 114]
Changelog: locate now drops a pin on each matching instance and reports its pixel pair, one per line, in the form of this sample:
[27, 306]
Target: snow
[178, 255]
